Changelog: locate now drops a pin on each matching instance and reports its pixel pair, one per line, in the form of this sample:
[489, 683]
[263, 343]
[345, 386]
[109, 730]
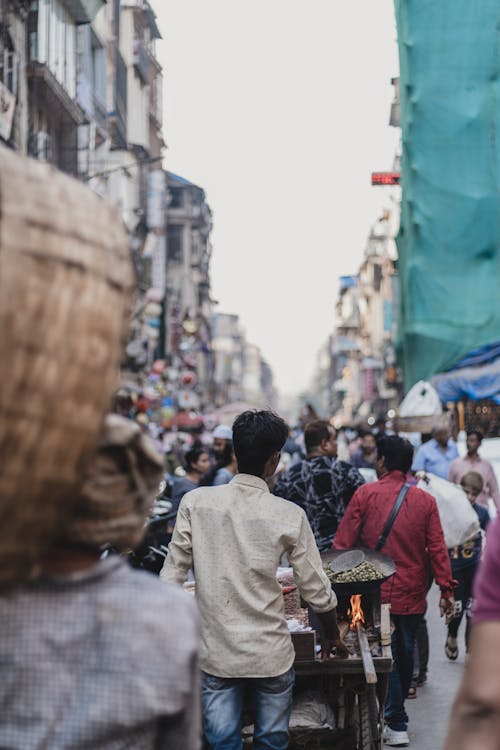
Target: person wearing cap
[94, 653]
[226, 465]
[222, 436]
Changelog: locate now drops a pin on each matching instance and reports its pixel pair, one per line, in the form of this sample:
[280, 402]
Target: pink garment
[486, 606]
[461, 466]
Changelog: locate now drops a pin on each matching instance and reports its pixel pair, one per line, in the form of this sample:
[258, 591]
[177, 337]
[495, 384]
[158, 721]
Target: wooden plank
[385, 630]
[364, 646]
[340, 667]
[344, 629]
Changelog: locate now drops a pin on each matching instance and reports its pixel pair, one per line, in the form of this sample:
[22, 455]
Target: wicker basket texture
[65, 286]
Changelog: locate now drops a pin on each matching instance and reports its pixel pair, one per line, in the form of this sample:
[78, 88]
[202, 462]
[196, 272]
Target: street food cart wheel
[370, 735]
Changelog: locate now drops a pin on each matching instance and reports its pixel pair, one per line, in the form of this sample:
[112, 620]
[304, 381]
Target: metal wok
[384, 564]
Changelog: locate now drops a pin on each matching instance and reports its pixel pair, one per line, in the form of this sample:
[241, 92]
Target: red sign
[386, 178]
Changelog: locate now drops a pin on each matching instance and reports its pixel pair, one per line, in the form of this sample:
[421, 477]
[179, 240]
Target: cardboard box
[304, 644]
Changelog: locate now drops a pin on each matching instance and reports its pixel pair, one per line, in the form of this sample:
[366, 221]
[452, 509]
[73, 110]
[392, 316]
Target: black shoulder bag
[392, 517]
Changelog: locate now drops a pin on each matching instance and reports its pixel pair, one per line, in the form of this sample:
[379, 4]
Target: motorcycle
[152, 551]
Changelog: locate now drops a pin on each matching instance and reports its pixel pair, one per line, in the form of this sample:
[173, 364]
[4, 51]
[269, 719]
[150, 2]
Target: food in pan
[363, 572]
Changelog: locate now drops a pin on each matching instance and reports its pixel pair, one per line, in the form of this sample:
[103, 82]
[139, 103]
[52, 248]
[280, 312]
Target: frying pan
[384, 564]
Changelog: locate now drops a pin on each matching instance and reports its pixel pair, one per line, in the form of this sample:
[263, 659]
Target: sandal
[451, 651]
[412, 692]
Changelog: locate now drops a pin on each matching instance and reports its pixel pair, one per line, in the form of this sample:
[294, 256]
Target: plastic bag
[421, 401]
[458, 518]
[311, 710]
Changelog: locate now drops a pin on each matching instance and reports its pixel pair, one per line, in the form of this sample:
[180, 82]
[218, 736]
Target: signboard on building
[158, 263]
[157, 193]
[386, 178]
[7, 107]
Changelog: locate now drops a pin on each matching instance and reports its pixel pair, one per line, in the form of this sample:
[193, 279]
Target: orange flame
[356, 613]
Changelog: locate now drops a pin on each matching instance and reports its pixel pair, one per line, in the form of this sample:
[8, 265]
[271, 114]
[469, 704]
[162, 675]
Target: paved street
[429, 711]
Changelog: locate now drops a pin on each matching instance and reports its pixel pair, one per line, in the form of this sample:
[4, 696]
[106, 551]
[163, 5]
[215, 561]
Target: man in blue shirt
[436, 456]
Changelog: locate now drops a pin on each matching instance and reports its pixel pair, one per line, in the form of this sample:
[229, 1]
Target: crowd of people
[344, 510]
[123, 659]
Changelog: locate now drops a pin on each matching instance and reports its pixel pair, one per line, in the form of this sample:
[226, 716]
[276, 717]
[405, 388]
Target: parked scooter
[152, 552]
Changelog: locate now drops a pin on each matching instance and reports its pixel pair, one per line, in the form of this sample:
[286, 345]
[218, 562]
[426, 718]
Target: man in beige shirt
[234, 537]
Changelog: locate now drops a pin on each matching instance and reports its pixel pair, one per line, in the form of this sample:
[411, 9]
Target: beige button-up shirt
[234, 536]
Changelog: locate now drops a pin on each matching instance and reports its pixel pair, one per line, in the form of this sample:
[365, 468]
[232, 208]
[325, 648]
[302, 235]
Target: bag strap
[392, 517]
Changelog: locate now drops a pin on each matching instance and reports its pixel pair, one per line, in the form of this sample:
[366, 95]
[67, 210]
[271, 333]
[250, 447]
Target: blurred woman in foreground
[475, 717]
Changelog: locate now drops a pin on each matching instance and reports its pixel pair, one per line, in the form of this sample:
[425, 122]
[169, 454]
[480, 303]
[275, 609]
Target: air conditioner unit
[42, 141]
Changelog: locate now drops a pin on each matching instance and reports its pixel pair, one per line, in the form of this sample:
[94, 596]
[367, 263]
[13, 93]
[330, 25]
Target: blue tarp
[469, 383]
[482, 356]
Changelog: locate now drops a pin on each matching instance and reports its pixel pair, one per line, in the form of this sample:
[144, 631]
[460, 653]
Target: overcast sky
[279, 110]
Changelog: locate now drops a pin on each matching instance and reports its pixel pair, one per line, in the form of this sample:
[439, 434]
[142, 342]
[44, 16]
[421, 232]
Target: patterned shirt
[234, 536]
[104, 659]
[322, 486]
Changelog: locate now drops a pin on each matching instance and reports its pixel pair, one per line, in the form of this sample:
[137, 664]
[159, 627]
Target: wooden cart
[356, 689]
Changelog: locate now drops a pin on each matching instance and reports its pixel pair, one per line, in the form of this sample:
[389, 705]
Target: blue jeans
[223, 699]
[402, 644]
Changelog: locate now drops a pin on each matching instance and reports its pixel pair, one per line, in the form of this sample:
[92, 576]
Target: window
[176, 197]
[377, 276]
[174, 243]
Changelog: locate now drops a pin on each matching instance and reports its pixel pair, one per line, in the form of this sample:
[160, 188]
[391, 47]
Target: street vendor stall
[354, 688]
[338, 703]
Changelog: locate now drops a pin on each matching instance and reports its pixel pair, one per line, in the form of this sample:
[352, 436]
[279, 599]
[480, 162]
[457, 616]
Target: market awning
[185, 421]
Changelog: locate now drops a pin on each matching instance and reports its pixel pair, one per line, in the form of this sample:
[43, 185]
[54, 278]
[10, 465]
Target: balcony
[84, 11]
[45, 84]
[142, 61]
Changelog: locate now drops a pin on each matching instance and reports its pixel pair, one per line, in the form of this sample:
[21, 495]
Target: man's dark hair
[477, 433]
[396, 452]
[315, 432]
[365, 433]
[256, 436]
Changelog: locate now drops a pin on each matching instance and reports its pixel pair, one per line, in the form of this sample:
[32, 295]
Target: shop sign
[7, 107]
[188, 400]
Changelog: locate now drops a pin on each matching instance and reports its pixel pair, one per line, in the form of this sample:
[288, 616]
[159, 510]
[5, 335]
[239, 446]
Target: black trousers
[463, 599]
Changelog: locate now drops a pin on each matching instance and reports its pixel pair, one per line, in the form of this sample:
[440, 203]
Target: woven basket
[65, 285]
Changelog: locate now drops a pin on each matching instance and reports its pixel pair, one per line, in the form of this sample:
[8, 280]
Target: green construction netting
[449, 239]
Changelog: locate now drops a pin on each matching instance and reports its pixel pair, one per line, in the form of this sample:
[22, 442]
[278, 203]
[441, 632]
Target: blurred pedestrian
[321, 484]
[222, 436]
[413, 540]
[196, 464]
[225, 466]
[94, 654]
[474, 722]
[464, 563]
[473, 462]
[437, 455]
[366, 455]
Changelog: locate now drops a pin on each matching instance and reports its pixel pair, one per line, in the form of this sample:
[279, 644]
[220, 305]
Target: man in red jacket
[415, 540]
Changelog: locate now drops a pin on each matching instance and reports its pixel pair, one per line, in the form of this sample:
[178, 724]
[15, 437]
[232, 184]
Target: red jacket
[415, 540]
